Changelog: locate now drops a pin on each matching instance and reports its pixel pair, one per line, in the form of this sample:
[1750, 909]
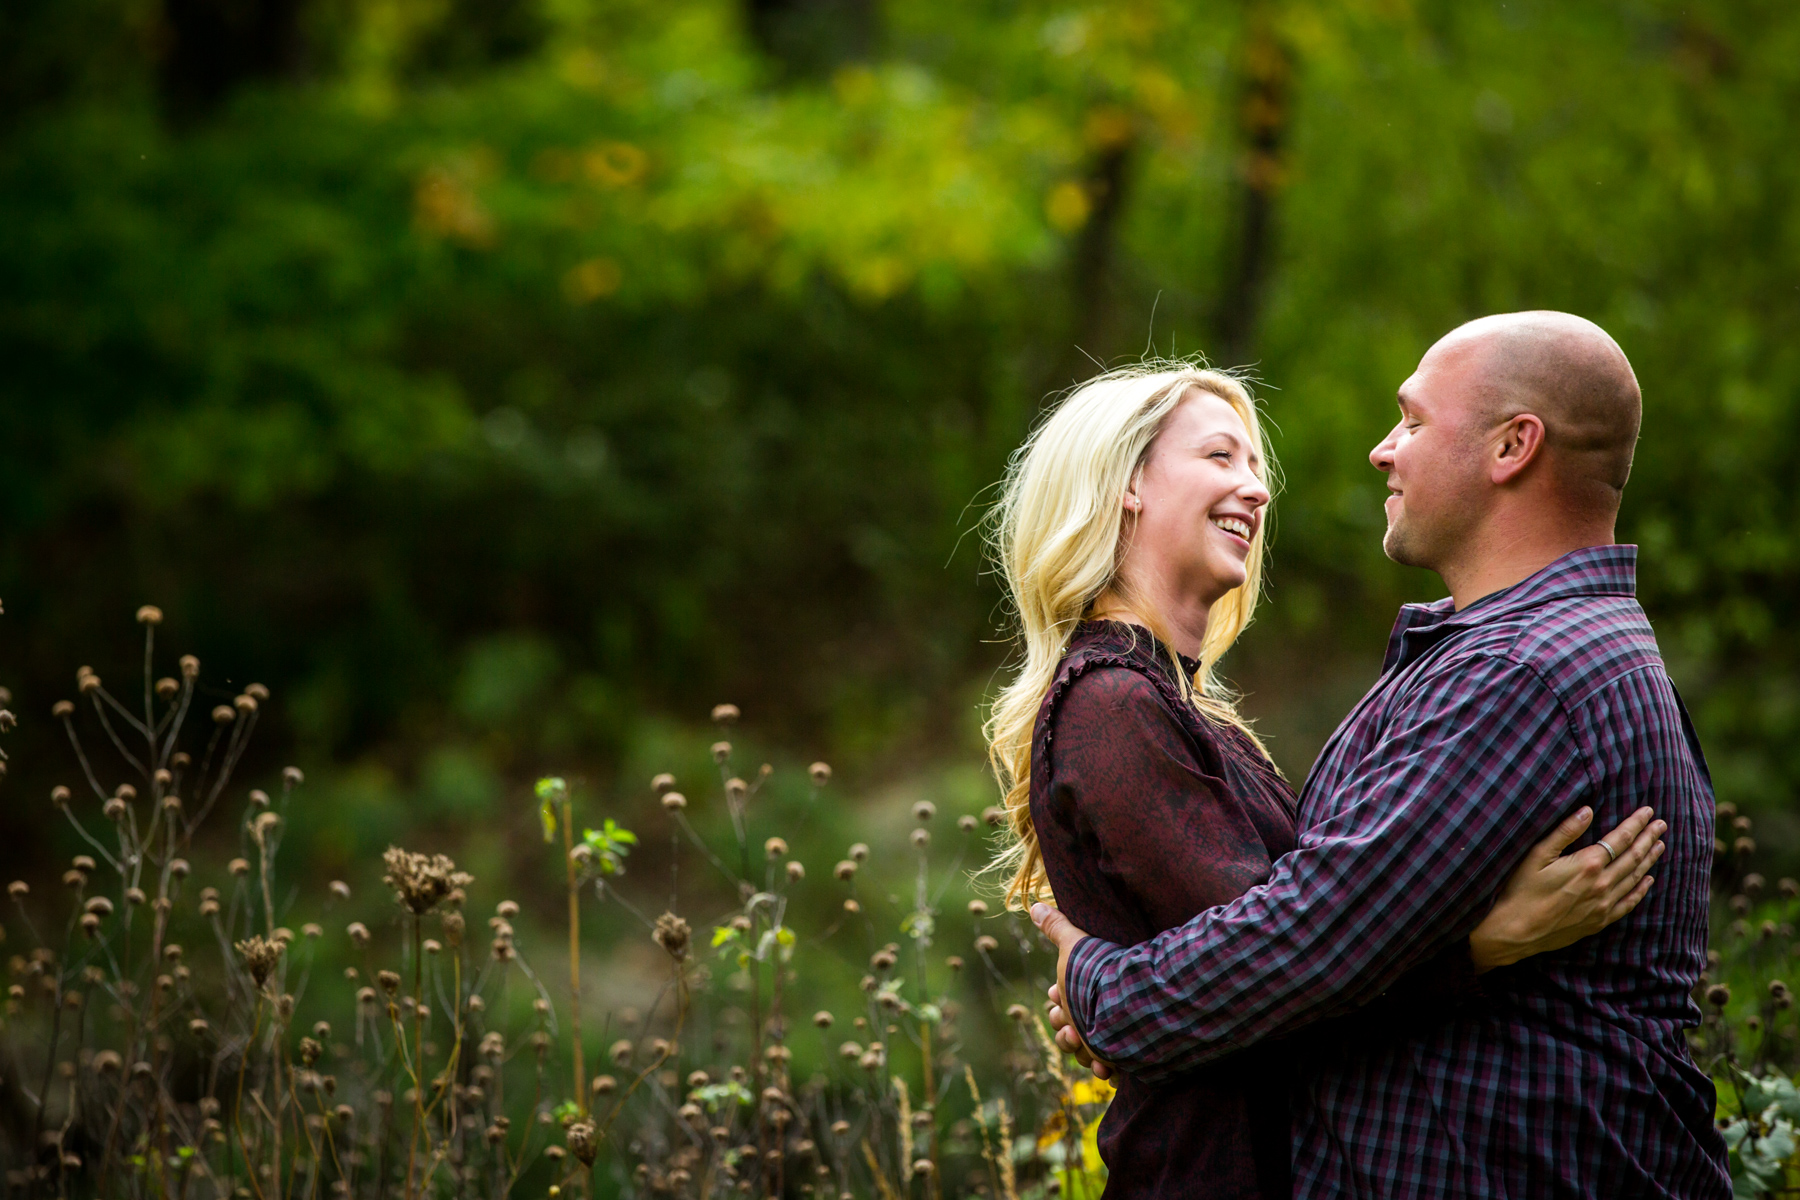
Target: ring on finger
[1612, 856]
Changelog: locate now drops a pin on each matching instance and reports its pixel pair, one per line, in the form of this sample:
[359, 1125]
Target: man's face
[1434, 458]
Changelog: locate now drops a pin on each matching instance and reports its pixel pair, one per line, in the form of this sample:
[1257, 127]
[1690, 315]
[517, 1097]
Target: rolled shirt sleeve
[1475, 764]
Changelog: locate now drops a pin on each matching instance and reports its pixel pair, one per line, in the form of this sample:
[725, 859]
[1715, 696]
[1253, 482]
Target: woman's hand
[1554, 899]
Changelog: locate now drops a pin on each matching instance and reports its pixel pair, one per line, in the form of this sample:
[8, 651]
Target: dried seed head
[59, 796]
[171, 804]
[149, 614]
[432, 946]
[1718, 995]
[259, 798]
[90, 924]
[340, 889]
[845, 870]
[62, 710]
[721, 751]
[83, 862]
[507, 909]
[921, 838]
[190, 666]
[954, 962]
[662, 783]
[725, 714]
[859, 852]
[260, 957]
[257, 692]
[74, 879]
[923, 811]
[86, 680]
[310, 1051]
[986, 944]
[239, 867]
[819, 773]
[420, 881]
[994, 815]
[822, 1019]
[605, 1085]
[582, 1142]
[100, 906]
[166, 688]
[883, 959]
[673, 801]
[850, 1050]
[359, 933]
[245, 703]
[180, 868]
[1753, 884]
[1744, 847]
[851, 906]
[620, 1052]
[775, 848]
[1788, 888]
[389, 981]
[292, 777]
[114, 809]
[796, 871]
[163, 777]
[672, 934]
[1018, 1012]
[736, 790]
[135, 896]
[283, 934]
[978, 908]
[224, 714]
[966, 823]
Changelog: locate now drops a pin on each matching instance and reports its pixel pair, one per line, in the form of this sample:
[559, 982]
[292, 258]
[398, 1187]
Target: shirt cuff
[1087, 970]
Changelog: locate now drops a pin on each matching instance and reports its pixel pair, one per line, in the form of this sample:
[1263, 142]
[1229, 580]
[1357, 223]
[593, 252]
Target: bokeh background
[505, 382]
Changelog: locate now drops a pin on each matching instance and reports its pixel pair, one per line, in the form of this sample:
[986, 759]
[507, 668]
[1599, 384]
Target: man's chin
[1400, 548]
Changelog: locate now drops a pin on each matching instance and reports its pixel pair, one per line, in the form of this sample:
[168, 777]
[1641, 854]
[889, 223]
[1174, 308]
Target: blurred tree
[593, 335]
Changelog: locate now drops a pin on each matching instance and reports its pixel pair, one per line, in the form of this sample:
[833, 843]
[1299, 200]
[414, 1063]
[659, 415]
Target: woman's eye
[1221, 455]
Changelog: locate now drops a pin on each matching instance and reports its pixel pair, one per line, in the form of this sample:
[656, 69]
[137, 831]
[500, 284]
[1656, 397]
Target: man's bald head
[1571, 375]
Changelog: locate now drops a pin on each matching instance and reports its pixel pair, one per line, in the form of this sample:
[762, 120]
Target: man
[1534, 689]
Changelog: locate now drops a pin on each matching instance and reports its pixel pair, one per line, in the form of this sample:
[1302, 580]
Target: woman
[1131, 537]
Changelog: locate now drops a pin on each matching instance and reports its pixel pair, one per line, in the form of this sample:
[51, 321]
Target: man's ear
[1519, 443]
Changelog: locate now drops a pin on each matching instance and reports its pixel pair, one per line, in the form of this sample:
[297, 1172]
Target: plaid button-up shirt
[1569, 1075]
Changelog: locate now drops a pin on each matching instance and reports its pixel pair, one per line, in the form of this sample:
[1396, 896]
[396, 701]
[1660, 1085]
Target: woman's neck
[1178, 620]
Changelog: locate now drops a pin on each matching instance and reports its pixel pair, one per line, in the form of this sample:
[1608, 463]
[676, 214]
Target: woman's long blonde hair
[1057, 535]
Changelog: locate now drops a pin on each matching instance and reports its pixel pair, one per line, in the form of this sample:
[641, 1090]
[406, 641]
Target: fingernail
[1585, 813]
[1039, 911]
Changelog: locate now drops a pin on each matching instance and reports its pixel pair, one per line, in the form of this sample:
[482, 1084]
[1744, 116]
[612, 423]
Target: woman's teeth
[1233, 525]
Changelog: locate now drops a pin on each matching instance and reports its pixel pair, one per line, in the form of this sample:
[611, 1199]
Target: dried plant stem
[987, 1146]
[418, 1057]
[578, 1061]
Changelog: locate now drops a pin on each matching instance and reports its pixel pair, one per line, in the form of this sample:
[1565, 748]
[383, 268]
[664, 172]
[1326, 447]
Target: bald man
[1533, 691]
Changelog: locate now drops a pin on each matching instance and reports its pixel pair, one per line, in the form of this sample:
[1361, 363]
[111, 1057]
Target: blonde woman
[1131, 535]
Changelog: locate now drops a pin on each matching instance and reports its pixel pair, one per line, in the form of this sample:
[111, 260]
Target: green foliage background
[505, 383]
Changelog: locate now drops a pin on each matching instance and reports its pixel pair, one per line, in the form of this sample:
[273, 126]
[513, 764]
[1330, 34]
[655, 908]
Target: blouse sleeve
[1156, 821]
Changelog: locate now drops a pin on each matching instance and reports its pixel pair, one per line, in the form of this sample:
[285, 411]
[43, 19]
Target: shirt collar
[1591, 571]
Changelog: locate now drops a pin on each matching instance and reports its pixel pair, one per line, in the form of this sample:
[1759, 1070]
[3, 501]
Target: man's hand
[1062, 931]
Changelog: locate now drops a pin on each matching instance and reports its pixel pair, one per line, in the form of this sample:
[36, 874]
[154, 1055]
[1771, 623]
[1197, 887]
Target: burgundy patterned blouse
[1147, 814]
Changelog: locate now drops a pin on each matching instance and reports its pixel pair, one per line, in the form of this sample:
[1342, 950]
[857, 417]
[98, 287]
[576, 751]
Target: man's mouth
[1236, 526]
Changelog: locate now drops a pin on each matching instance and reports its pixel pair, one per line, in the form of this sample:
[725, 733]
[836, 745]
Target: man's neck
[1500, 561]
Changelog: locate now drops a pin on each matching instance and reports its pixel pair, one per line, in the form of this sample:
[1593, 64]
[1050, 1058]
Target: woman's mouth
[1237, 527]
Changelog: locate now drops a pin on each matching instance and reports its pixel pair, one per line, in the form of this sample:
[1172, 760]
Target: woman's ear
[1132, 503]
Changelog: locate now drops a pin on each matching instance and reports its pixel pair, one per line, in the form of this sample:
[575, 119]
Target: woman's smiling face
[1197, 503]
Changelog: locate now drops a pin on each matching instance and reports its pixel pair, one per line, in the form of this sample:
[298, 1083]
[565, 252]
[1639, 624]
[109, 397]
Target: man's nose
[1382, 456]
